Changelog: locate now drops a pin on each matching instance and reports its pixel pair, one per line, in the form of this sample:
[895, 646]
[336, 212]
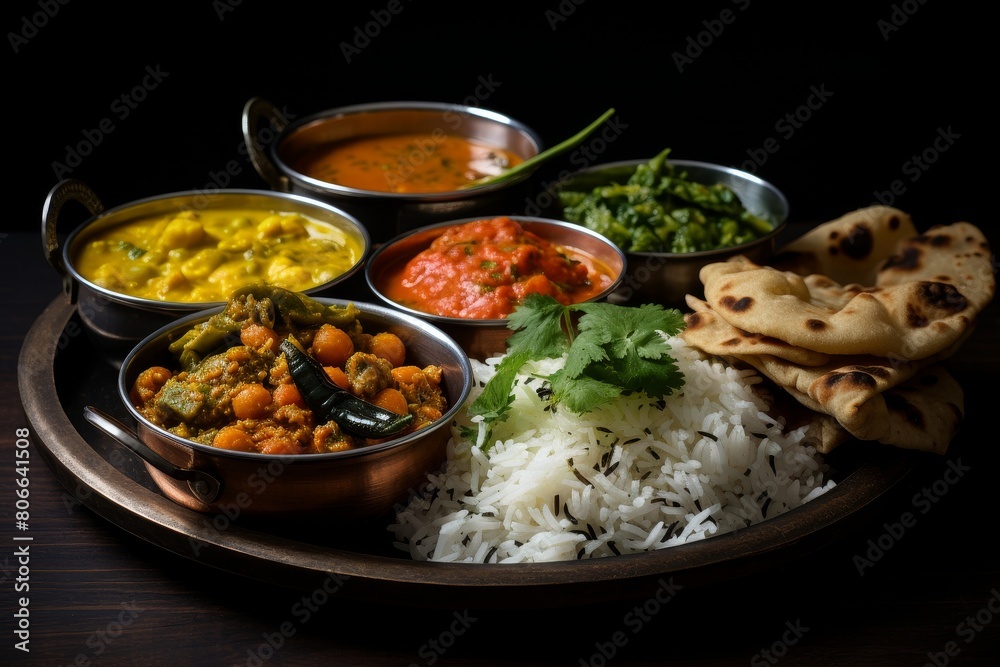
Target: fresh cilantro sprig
[610, 350]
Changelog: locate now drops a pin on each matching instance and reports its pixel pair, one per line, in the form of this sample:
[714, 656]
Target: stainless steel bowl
[351, 484]
[482, 338]
[386, 214]
[666, 278]
[117, 321]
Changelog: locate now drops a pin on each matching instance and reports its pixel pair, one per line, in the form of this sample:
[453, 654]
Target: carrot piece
[331, 346]
[259, 337]
[338, 376]
[251, 401]
[148, 383]
[392, 400]
[388, 346]
[233, 438]
[405, 374]
[280, 446]
[288, 394]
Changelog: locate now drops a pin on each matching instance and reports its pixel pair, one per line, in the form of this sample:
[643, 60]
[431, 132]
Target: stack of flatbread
[853, 320]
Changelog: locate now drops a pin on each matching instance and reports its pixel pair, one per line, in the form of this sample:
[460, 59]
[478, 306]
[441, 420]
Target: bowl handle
[204, 486]
[256, 109]
[64, 191]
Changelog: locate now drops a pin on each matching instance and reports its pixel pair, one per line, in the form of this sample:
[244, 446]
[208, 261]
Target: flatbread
[853, 324]
[868, 395]
[925, 297]
[861, 396]
[709, 332]
[925, 413]
[850, 248]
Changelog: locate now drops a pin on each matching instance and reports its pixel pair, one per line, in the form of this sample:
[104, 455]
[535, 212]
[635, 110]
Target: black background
[713, 81]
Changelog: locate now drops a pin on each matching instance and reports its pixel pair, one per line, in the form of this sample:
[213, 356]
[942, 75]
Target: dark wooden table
[917, 583]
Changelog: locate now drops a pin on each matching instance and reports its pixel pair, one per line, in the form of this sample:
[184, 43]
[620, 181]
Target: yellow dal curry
[204, 255]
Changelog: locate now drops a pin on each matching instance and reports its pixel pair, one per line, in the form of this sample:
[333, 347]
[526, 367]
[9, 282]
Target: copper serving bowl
[482, 338]
[363, 482]
[387, 214]
[666, 278]
[117, 321]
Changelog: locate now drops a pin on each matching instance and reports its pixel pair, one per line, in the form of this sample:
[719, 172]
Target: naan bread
[924, 413]
[925, 297]
[850, 248]
[869, 395]
[707, 331]
[853, 322]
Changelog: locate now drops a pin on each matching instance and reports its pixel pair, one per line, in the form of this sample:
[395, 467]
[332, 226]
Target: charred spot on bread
[874, 371]
[740, 305]
[911, 413]
[851, 378]
[859, 243]
[942, 295]
[940, 240]
[693, 320]
[815, 325]
[907, 260]
[915, 318]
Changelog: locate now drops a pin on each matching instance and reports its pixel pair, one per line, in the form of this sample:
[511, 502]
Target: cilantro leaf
[623, 345]
[609, 351]
[581, 394]
[538, 327]
[493, 403]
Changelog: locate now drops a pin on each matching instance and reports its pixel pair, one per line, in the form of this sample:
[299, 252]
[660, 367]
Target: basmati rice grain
[637, 474]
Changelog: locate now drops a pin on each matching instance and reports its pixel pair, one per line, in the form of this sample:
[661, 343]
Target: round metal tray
[59, 372]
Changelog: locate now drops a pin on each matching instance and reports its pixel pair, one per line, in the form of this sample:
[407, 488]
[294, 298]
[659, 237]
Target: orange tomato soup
[405, 163]
[484, 269]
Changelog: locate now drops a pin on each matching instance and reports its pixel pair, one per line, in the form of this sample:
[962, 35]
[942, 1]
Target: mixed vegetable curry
[277, 372]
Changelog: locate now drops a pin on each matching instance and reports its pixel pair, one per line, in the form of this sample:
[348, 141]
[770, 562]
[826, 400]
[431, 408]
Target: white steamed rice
[632, 476]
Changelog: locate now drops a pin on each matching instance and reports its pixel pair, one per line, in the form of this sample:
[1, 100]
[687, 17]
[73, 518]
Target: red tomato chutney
[484, 269]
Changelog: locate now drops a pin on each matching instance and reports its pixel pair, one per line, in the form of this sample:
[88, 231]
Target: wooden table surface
[916, 584]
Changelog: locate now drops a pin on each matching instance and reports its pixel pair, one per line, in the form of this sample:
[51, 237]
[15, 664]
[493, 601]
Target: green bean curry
[658, 208]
